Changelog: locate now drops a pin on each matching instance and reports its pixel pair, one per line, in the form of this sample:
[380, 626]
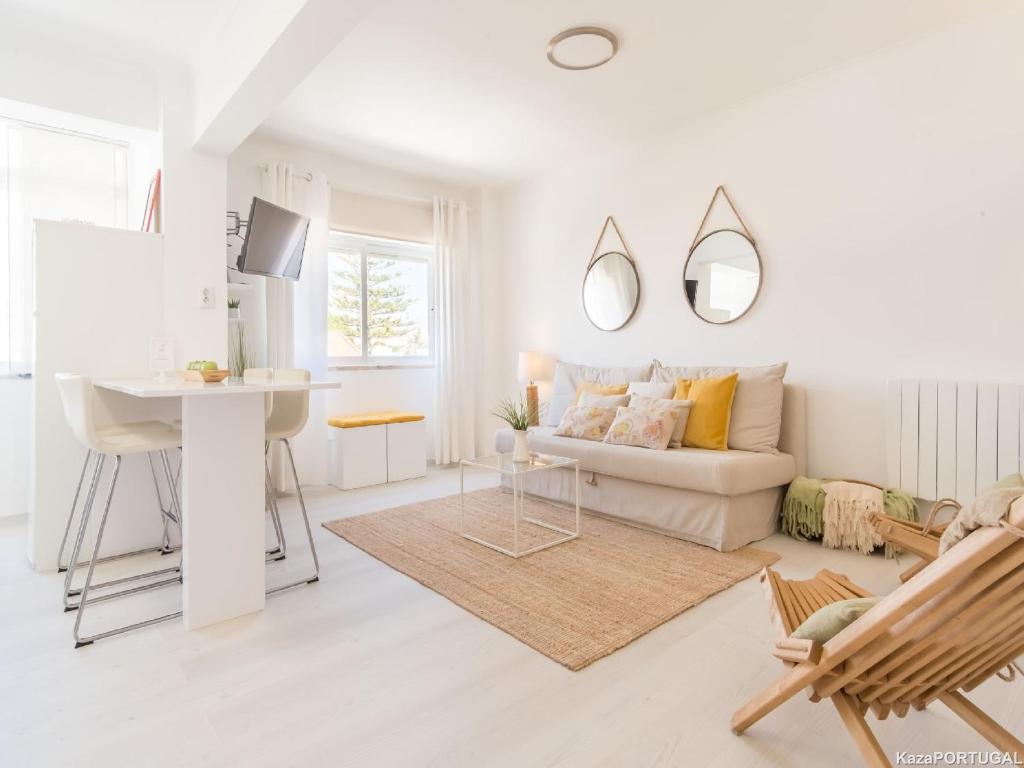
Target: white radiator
[952, 438]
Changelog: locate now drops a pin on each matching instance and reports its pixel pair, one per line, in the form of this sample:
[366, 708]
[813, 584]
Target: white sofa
[722, 499]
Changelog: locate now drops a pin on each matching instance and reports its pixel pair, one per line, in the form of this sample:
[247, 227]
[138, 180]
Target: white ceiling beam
[265, 49]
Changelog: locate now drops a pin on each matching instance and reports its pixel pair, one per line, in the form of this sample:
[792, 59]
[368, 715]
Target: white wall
[68, 72]
[98, 302]
[193, 224]
[143, 159]
[65, 82]
[886, 198]
[376, 201]
[16, 418]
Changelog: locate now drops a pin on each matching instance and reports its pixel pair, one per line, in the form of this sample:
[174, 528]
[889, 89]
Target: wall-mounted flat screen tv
[274, 241]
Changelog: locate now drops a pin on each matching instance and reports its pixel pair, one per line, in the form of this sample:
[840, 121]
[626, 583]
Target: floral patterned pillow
[680, 409]
[585, 422]
[642, 427]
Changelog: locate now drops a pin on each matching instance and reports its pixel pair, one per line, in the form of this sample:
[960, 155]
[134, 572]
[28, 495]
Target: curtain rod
[395, 198]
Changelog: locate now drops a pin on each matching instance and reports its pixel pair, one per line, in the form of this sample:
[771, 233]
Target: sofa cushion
[592, 400]
[569, 376]
[592, 388]
[680, 409]
[585, 422]
[655, 389]
[642, 427]
[723, 472]
[757, 407]
[708, 425]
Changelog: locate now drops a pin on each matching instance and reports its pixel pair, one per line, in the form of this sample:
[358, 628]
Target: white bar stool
[166, 513]
[266, 376]
[288, 415]
[76, 393]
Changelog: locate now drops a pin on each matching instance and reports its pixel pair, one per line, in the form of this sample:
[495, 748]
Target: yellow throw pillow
[598, 389]
[708, 425]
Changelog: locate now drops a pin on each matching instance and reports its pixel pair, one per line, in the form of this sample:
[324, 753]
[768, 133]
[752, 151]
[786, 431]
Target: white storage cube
[407, 450]
[358, 456]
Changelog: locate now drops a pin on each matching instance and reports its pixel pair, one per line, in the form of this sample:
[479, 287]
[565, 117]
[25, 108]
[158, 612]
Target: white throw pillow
[652, 389]
[595, 400]
[680, 409]
[756, 420]
[585, 423]
[642, 427]
[569, 376]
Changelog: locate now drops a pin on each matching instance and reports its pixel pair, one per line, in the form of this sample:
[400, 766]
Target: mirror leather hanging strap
[720, 189]
[600, 238]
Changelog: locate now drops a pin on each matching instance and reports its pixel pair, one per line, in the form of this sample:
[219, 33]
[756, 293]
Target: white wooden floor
[370, 668]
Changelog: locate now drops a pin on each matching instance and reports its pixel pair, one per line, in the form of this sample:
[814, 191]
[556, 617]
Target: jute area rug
[576, 602]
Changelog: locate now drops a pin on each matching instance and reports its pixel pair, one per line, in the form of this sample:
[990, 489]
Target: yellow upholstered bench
[372, 448]
[373, 419]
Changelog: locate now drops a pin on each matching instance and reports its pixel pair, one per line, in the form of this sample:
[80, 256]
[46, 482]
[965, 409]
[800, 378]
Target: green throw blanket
[901, 505]
[802, 509]
[805, 502]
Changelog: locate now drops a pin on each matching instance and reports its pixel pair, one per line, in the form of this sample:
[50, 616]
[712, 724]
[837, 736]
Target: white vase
[521, 448]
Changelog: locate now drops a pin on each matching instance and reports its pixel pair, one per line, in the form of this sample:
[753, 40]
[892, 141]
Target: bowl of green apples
[204, 370]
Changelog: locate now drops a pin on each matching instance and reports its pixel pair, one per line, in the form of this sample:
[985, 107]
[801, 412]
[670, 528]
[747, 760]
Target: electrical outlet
[206, 298]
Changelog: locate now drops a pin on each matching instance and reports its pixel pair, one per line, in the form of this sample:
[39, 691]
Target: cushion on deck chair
[825, 623]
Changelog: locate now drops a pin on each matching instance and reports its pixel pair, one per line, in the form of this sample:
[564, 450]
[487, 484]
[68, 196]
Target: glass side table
[522, 511]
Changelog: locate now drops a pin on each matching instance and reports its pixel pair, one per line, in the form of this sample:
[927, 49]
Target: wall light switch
[206, 298]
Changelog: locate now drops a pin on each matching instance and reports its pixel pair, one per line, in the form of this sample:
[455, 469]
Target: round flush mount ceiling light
[582, 48]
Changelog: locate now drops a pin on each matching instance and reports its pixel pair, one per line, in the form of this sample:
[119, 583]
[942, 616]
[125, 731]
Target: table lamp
[534, 367]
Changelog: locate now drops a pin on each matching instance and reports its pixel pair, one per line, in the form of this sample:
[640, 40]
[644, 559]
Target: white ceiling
[136, 30]
[462, 87]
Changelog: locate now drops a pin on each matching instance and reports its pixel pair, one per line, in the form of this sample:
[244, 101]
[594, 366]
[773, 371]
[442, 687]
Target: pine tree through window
[379, 301]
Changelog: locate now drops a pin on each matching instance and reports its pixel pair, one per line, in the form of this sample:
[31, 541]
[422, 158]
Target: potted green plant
[240, 354]
[516, 414]
[233, 305]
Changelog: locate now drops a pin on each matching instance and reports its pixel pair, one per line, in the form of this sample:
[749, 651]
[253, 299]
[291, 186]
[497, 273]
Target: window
[46, 173]
[379, 301]
[731, 288]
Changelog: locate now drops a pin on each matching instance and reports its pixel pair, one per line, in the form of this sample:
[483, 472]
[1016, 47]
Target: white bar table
[222, 491]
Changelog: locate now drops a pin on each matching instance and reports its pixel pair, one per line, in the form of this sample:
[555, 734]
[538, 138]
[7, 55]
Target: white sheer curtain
[310, 328]
[279, 188]
[456, 322]
[297, 317]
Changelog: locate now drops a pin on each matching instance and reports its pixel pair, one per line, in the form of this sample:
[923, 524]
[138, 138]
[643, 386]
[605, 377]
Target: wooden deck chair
[921, 539]
[953, 626]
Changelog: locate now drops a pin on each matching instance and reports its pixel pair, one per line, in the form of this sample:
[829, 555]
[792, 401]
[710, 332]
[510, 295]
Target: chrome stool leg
[81, 640]
[82, 525]
[309, 531]
[172, 485]
[167, 514]
[71, 515]
[174, 571]
[165, 548]
[280, 549]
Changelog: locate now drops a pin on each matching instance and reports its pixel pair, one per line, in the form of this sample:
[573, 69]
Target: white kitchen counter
[222, 491]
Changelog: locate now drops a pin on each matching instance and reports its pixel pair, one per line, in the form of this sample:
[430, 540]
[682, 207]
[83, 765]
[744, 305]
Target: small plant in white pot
[233, 308]
[516, 414]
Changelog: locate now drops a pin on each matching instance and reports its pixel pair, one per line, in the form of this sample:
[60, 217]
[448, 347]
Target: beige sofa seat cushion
[569, 376]
[756, 408]
[723, 472]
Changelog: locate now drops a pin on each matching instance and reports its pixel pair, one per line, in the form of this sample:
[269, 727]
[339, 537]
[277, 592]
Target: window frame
[399, 250]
